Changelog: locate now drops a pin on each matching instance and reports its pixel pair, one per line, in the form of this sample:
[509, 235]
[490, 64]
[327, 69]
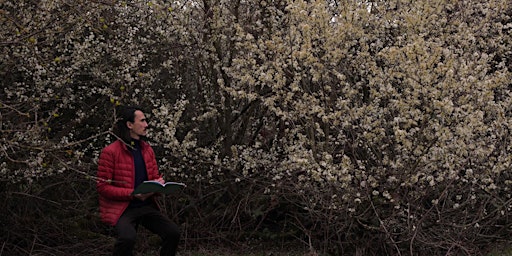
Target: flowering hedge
[368, 126]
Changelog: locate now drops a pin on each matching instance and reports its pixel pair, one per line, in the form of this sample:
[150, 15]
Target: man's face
[139, 125]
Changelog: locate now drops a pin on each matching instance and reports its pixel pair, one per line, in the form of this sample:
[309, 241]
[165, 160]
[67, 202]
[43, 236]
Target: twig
[14, 109]
[384, 227]
[84, 140]
[33, 244]
[37, 197]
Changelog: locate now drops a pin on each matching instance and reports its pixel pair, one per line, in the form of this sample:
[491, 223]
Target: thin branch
[37, 197]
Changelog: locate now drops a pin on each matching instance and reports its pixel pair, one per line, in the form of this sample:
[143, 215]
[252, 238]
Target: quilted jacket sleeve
[110, 183]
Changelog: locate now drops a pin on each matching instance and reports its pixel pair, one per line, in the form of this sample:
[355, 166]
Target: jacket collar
[128, 147]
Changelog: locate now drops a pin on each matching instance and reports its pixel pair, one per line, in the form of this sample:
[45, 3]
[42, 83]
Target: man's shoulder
[114, 146]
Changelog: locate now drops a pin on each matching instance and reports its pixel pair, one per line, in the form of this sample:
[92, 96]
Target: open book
[157, 187]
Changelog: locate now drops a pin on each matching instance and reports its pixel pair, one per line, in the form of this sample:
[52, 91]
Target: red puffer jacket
[116, 175]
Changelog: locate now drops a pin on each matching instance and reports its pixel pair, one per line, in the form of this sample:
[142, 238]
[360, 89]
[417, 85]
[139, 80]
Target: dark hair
[125, 114]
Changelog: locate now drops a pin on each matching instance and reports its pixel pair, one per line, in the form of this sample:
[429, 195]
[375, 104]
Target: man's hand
[143, 197]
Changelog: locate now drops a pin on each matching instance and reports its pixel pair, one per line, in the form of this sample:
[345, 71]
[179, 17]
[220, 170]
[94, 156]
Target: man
[122, 166]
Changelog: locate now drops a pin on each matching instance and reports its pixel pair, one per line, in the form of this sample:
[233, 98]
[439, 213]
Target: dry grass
[221, 252]
[259, 250]
[501, 250]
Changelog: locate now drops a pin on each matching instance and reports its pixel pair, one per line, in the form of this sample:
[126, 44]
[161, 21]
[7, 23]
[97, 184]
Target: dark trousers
[152, 219]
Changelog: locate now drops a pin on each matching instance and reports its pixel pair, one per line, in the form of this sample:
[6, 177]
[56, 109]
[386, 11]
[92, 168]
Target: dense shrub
[357, 127]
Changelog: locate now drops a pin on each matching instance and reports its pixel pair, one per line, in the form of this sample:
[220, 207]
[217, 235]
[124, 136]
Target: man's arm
[106, 185]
